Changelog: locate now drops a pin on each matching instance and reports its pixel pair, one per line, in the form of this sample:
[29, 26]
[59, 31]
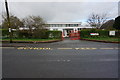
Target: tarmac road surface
[65, 59]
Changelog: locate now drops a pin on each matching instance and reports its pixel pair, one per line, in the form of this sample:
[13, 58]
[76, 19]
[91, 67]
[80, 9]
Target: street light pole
[8, 18]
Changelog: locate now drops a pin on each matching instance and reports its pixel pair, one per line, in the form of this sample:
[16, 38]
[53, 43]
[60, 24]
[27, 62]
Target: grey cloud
[63, 11]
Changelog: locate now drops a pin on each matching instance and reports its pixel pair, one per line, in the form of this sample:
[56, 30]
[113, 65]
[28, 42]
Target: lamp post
[8, 19]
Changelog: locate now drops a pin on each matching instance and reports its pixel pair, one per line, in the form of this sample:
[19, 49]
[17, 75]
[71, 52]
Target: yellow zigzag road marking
[33, 48]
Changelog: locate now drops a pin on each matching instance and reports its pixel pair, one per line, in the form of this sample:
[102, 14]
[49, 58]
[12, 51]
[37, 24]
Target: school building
[65, 27]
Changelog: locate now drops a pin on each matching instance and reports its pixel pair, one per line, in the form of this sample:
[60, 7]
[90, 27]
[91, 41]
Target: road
[65, 59]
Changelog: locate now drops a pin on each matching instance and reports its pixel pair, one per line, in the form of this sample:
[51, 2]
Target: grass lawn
[105, 39]
[29, 39]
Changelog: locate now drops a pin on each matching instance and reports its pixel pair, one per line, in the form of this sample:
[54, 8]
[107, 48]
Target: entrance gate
[74, 35]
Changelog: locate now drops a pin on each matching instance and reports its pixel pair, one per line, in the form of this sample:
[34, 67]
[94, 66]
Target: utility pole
[8, 19]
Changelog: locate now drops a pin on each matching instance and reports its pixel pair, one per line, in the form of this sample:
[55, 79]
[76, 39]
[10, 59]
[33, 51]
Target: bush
[23, 34]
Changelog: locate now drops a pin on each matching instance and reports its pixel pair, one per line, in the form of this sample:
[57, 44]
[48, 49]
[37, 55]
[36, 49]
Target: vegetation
[25, 39]
[108, 25]
[33, 29]
[117, 23]
[35, 25]
[105, 39]
[24, 34]
[15, 22]
[96, 20]
[44, 34]
[103, 35]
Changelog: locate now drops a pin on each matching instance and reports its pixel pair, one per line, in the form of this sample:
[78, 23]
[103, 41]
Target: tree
[116, 24]
[35, 25]
[108, 24]
[96, 20]
[14, 20]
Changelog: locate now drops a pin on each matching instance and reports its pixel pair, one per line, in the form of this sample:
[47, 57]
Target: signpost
[8, 18]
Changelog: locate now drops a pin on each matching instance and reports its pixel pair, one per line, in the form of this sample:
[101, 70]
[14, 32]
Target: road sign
[94, 34]
[9, 29]
[112, 33]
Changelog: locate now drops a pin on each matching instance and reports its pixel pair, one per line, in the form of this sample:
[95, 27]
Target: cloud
[62, 0]
[63, 11]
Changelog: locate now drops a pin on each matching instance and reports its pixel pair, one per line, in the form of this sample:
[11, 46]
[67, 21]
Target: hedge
[54, 34]
[41, 34]
[102, 33]
[5, 33]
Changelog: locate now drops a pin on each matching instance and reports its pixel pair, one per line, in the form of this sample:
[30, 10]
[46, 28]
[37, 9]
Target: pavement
[64, 59]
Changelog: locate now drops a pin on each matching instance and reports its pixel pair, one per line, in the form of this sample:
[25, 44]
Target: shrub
[23, 34]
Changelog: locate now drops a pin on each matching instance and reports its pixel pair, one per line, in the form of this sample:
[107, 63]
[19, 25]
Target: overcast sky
[63, 11]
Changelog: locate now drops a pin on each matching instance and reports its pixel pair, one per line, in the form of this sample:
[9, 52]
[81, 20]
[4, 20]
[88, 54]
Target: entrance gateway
[73, 35]
[66, 28]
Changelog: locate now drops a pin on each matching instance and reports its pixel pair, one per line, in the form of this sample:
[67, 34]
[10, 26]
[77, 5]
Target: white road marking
[7, 47]
[59, 60]
[68, 60]
[106, 48]
[117, 48]
[64, 48]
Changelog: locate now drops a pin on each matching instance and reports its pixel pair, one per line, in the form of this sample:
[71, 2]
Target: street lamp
[8, 18]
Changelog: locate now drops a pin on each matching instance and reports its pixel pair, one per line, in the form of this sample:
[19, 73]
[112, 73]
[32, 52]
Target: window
[67, 25]
[63, 25]
[54, 25]
[55, 29]
[79, 29]
[71, 25]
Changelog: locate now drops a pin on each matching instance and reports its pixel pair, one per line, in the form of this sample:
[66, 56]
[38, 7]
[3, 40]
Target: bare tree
[35, 22]
[96, 20]
[14, 20]
[35, 25]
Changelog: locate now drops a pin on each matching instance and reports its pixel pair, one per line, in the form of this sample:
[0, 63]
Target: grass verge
[111, 39]
[29, 39]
